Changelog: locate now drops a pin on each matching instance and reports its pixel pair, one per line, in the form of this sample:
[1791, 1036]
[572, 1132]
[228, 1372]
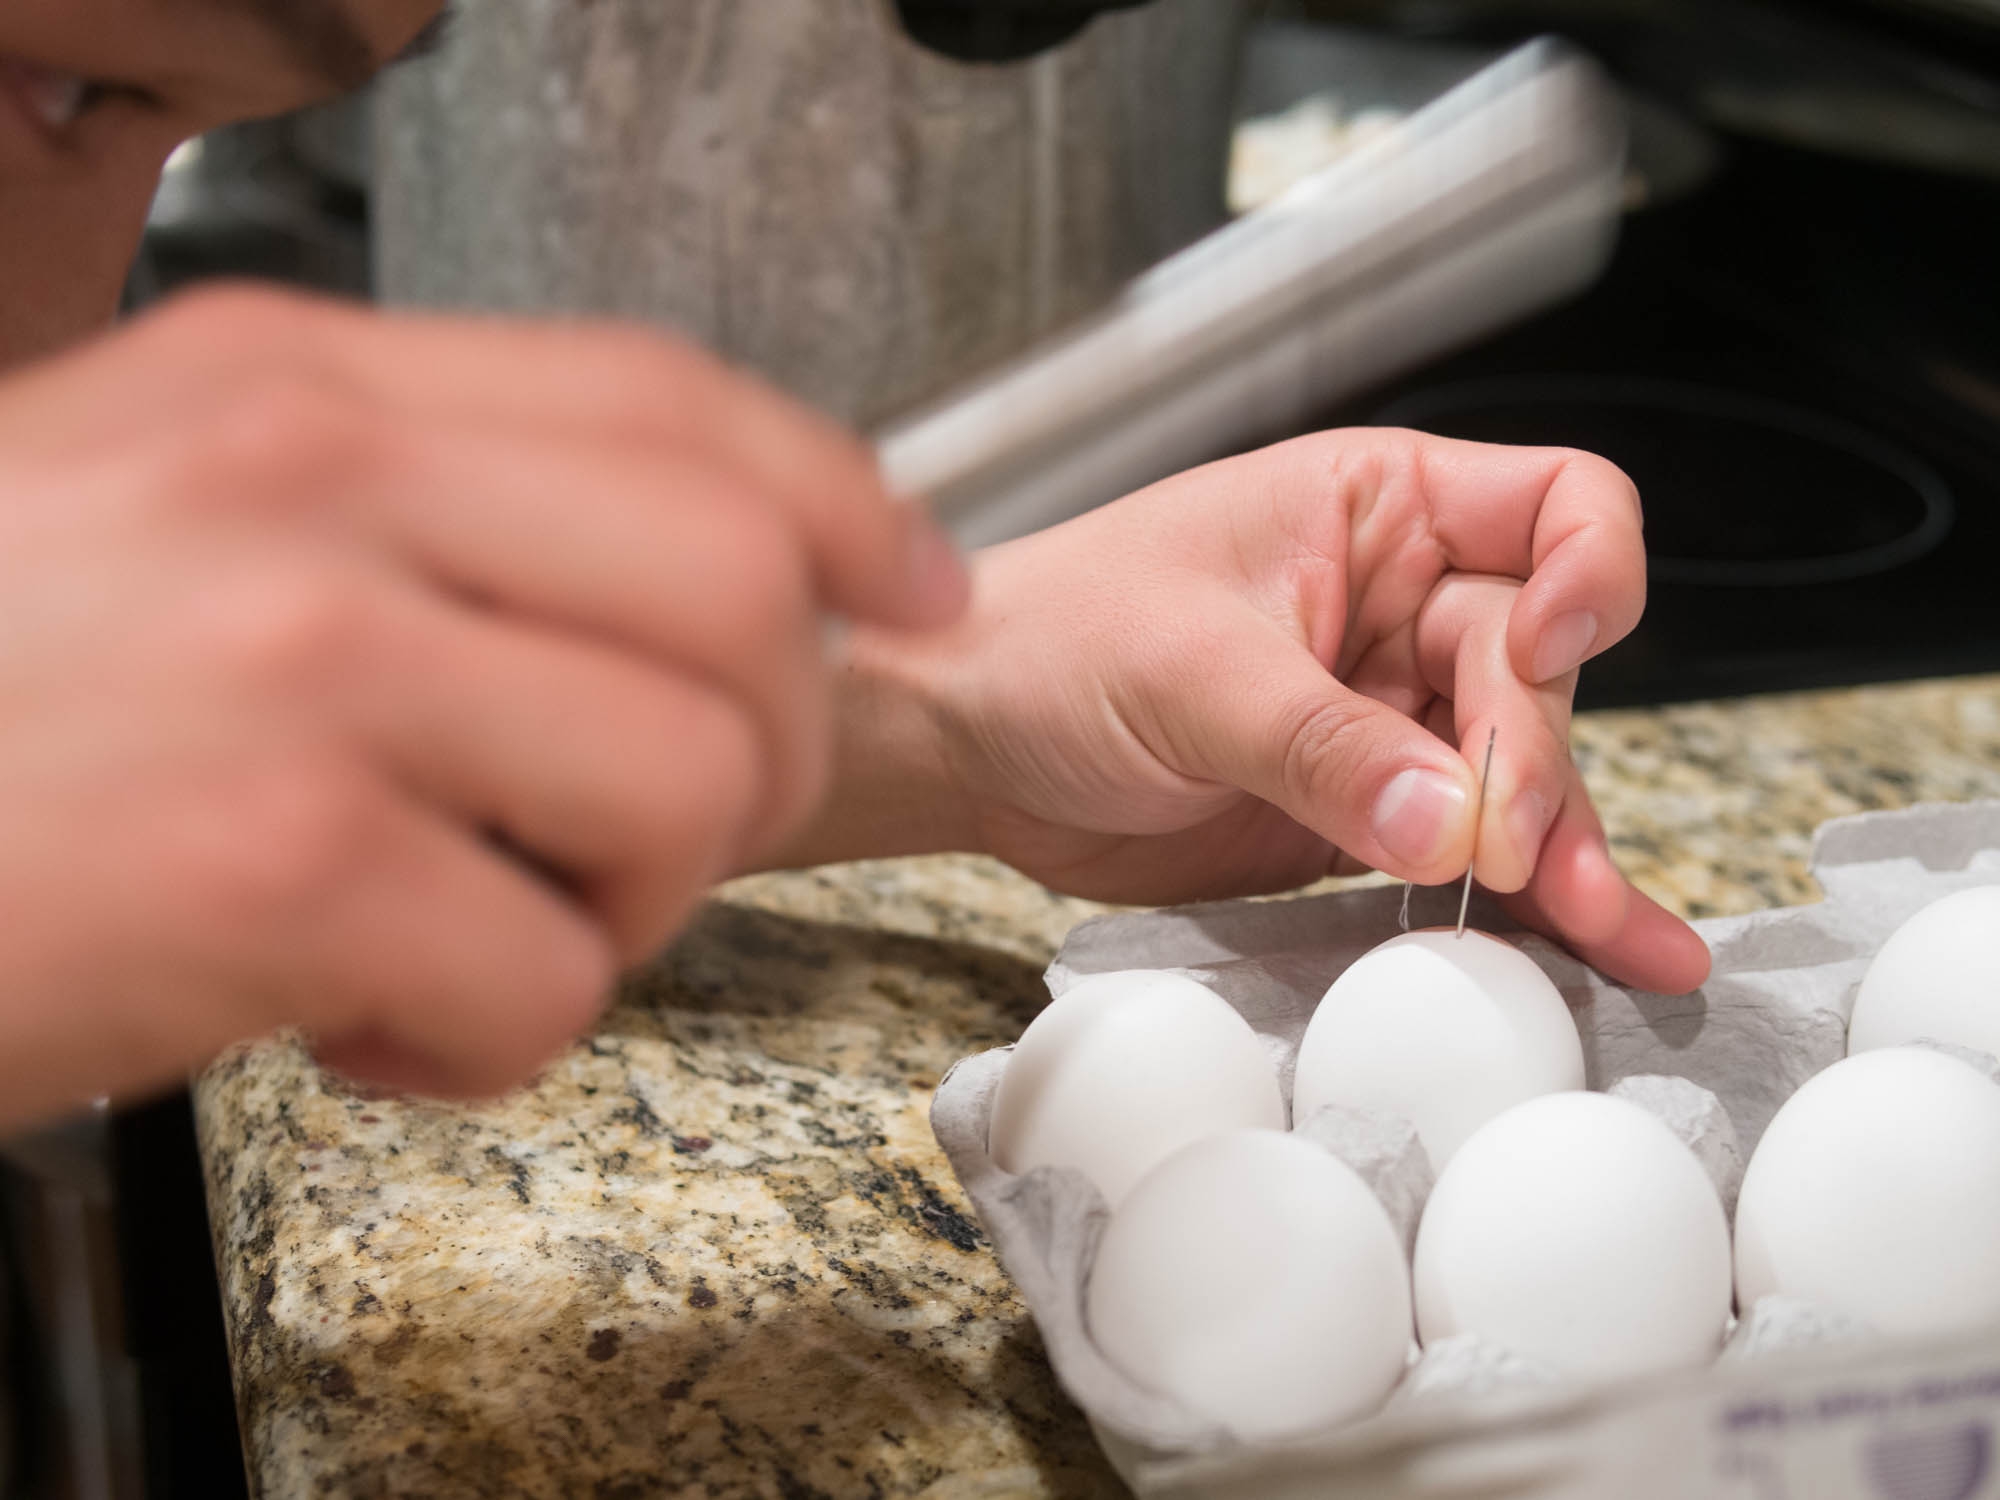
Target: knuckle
[848, 467]
[1374, 453]
[288, 836]
[1593, 465]
[284, 628]
[233, 317]
[1353, 468]
[769, 600]
[288, 440]
[1601, 473]
[630, 369]
[1321, 748]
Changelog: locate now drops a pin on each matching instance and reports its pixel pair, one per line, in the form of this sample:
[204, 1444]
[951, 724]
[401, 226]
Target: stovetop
[1799, 364]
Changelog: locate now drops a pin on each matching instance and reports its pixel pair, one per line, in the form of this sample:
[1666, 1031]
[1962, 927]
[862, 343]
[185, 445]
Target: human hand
[1285, 665]
[396, 678]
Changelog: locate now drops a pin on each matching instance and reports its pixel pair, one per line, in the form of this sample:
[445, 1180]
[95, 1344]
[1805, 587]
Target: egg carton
[1874, 1418]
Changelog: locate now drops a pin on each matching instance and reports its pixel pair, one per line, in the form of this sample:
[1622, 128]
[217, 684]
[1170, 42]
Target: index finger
[1579, 897]
[1567, 523]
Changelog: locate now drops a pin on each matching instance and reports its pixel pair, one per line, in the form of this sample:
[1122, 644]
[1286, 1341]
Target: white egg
[1443, 1030]
[1123, 1070]
[1875, 1192]
[1938, 976]
[1577, 1230]
[1258, 1280]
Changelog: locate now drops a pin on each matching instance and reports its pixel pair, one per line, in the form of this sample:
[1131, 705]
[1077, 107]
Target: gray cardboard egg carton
[1851, 1420]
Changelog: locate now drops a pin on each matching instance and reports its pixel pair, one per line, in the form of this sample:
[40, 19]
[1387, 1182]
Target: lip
[47, 102]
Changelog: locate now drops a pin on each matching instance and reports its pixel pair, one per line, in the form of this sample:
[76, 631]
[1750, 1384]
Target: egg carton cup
[1825, 1421]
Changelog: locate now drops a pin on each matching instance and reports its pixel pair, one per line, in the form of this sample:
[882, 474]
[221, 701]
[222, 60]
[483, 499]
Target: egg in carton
[1830, 1414]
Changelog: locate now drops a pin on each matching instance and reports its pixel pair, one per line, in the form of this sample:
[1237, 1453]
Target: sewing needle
[1478, 817]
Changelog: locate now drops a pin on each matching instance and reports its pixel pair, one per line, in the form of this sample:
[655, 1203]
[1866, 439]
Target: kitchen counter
[714, 1249]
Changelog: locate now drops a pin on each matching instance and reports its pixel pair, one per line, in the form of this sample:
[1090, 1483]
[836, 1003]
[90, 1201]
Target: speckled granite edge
[715, 1251]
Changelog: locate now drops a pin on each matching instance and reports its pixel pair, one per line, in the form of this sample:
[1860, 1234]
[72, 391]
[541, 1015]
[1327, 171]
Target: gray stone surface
[1698, 1118]
[798, 184]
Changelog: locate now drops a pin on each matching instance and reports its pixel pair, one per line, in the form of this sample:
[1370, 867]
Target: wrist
[895, 788]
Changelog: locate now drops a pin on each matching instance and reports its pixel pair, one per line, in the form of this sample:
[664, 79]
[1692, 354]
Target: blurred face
[94, 94]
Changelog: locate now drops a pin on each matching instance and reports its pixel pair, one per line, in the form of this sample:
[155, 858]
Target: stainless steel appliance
[72, 1425]
[116, 1369]
[808, 187]
[1489, 202]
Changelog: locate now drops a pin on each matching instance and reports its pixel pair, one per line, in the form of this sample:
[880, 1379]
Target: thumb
[1359, 774]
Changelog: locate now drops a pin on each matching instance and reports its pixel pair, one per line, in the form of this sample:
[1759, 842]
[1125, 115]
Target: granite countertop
[715, 1250]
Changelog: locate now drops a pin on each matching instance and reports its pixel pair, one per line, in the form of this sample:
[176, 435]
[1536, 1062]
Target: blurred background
[1794, 348]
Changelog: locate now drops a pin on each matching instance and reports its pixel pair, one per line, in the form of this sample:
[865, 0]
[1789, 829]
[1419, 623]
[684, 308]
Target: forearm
[893, 790]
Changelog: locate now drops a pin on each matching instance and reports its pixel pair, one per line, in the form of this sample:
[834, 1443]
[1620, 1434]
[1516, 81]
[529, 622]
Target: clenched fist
[397, 678]
[1274, 667]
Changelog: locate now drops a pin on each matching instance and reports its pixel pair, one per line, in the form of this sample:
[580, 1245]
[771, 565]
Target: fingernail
[1528, 825]
[1415, 813]
[937, 572]
[1566, 641]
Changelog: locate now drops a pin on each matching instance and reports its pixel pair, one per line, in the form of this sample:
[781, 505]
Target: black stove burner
[1741, 491]
[1762, 356]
